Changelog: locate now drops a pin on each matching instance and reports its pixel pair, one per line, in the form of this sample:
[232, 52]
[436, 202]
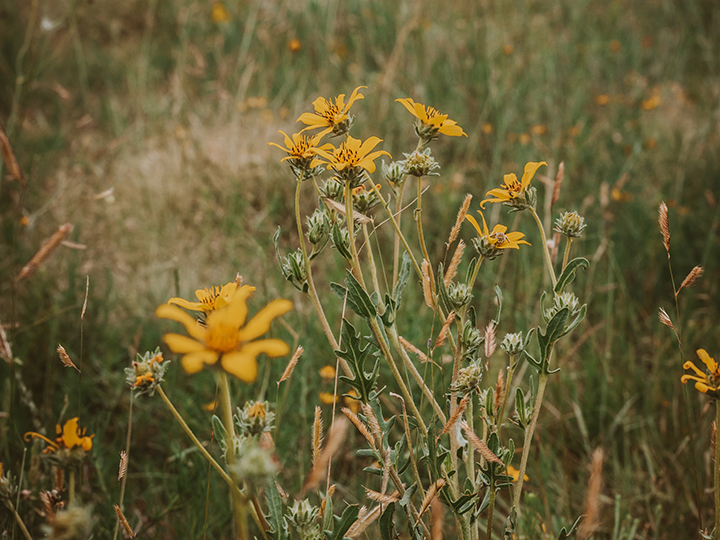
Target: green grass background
[173, 112]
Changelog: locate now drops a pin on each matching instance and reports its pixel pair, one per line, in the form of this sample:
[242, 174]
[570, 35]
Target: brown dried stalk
[65, 358]
[442, 336]
[451, 271]
[127, 530]
[456, 415]
[87, 290]
[592, 497]
[437, 519]
[498, 393]
[335, 439]
[479, 445]
[46, 249]
[558, 183]
[460, 218]
[9, 158]
[427, 291]
[317, 434]
[664, 223]
[713, 439]
[291, 365]
[360, 425]
[691, 278]
[409, 347]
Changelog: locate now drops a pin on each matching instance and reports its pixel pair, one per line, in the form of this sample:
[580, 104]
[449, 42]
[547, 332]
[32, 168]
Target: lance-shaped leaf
[403, 276]
[339, 242]
[499, 297]
[358, 299]
[568, 275]
[386, 522]
[578, 319]
[343, 523]
[355, 355]
[275, 517]
[564, 534]
[554, 330]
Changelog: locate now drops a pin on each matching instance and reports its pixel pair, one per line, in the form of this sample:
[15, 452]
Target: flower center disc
[222, 337]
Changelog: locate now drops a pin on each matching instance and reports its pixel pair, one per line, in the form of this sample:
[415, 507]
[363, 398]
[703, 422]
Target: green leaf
[362, 382]
[358, 299]
[275, 517]
[407, 497]
[565, 533]
[403, 276]
[386, 522]
[578, 319]
[554, 330]
[568, 275]
[343, 523]
[339, 242]
[327, 518]
[220, 434]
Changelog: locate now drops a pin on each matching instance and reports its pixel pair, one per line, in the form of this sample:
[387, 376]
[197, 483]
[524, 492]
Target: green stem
[716, 474]
[373, 268]
[421, 236]
[548, 262]
[124, 478]
[491, 511]
[396, 248]
[508, 382]
[311, 286]
[566, 255]
[19, 520]
[71, 487]
[226, 414]
[528, 440]
[354, 259]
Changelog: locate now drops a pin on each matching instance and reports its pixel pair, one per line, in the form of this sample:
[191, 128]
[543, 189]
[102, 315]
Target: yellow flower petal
[195, 361]
[530, 170]
[707, 360]
[182, 344]
[241, 364]
[474, 224]
[174, 313]
[271, 347]
[193, 306]
[260, 323]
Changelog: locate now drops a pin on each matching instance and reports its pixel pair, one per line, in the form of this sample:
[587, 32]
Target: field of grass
[145, 124]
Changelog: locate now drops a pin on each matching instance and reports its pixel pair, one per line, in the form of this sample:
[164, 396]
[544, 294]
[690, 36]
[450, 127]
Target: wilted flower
[365, 199]
[707, 382]
[147, 372]
[430, 122]
[351, 159]
[571, 224]
[70, 445]
[489, 244]
[519, 195]
[331, 116]
[226, 336]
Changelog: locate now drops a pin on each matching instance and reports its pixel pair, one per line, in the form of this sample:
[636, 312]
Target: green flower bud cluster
[468, 379]
[571, 224]
[471, 339]
[254, 464]
[302, 515]
[513, 344]
[318, 226]
[255, 418]
[8, 487]
[394, 173]
[459, 295]
[486, 248]
[560, 301]
[365, 200]
[420, 164]
[293, 269]
[333, 189]
[527, 199]
[147, 372]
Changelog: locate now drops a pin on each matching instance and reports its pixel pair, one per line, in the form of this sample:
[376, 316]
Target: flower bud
[318, 226]
[302, 514]
[571, 224]
[394, 173]
[147, 372]
[459, 294]
[8, 488]
[468, 379]
[254, 464]
[471, 339]
[420, 164]
[332, 189]
[293, 268]
[365, 199]
[254, 418]
[560, 301]
[513, 344]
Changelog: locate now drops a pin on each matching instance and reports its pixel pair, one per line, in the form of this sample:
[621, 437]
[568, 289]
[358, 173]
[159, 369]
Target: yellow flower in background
[512, 471]
[431, 119]
[513, 189]
[294, 45]
[226, 336]
[210, 299]
[327, 398]
[497, 239]
[69, 436]
[329, 115]
[350, 156]
[299, 148]
[705, 382]
[220, 14]
[327, 373]
[353, 404]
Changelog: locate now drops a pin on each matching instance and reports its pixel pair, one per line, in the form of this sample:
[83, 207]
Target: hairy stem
[396, 247]
[545, 250]
[18, 519]
[421, 236]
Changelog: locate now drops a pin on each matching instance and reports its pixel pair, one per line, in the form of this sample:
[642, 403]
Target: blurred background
[145, 124]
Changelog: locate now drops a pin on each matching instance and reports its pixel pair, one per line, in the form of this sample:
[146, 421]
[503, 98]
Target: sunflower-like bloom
[431, 122]
[705, 382]
[212, 298]
[490, 243]
[226, 336]
[351, 158]
[69, 436]
[331, 116]
[516, 194]
[300, 149]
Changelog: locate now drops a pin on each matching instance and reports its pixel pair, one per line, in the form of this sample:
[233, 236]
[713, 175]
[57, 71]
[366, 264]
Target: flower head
[300, 150]
[489, 243]
[431, 122]
[220, 14]
[351, 158]
[707, 382]
[147, 372]
[226, 336]
[69, 437]
[331, 116]
[516, 194]
[255, 418]
[210, 299]
[327, 373]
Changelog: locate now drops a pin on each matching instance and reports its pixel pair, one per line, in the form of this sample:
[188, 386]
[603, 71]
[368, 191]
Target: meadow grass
[173, 112]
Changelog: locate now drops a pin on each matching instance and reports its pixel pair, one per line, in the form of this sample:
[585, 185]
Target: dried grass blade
[46, 249]
[65, 358]
[317, 434]
[691, 278]
[373, 424]
[442, 336]
[9, 158]
[460, 218]
[438, 519]
[455, 416]
[291, 364]
[87, 290]
[452, 268]
[361, 427]
[340, 209]
[479, 445]
[427, 291]
[335, 439]
[380, 497]
[365, 519]
[592, 497]
[409, 347]
[664, 223]
[432, 492]
[558, 183]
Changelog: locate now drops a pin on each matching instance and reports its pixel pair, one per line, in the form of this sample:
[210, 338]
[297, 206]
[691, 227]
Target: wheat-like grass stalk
[48, 507]
[442, 336]
[592, 497]
[5, 349]
[460, 219]
[87, 290]
[127, 530]
[65, 358]
[558, 183]
[409, 347]
[432, 492]
[360, 425]
[665, 319]
[455, 416]
[479, 445]
[427, 290]
[690, 279]
[317, 434]
[9, 158]
[452, 268]
[490, 343]
[380, 497]
[291, 364]
[365, 519]
[499, 386]
[46, 249]
[335, 439]
[122, 471]
[664, 223]
[373, 424]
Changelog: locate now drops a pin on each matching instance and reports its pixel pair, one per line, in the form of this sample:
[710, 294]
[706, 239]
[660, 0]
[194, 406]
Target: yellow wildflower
[515, 474]
[327, 398]
[432, 121]
[353, 404]
[220, 14]
[327, 373]
[513, 189]
[331, 116]
[210, 299]
[227, 336]
[294, 45]
[300, 148]
[69, 437]
[489, 243]
[706, 382]
[350, 157]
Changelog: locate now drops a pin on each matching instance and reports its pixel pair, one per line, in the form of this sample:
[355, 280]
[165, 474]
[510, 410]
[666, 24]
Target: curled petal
[530, 170]
[195, 361]
[193, 306]
[174, 313]
[690, 365]
[260, 323]
[241, 364]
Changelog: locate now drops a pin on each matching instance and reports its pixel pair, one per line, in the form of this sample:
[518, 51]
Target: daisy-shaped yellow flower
[226, 336]
[331, 116]
[513, 191]
[489, 243]
[431, 121]
[69, 436]
[300, 149]
[212, 298]
[350, 158]
[705, 382]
